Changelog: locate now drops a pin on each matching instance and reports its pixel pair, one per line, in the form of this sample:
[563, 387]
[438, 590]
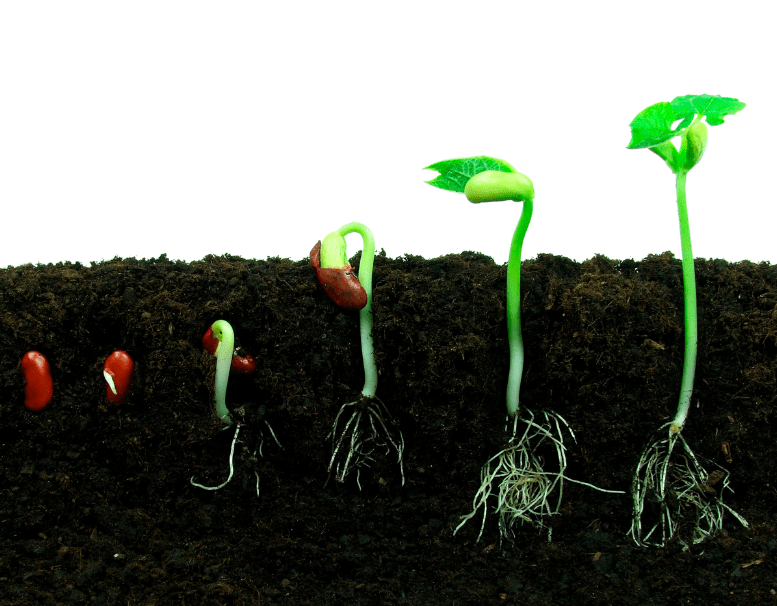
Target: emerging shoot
[219, 340]
[674, 487]
[525, 488]
[370, 425]
[484, 179]
[222, 330]
[118, 371]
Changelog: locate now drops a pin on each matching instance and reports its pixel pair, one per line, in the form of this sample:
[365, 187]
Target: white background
[255, 128]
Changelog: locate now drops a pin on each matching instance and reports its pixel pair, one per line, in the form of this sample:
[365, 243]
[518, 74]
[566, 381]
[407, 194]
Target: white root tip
[109, 378]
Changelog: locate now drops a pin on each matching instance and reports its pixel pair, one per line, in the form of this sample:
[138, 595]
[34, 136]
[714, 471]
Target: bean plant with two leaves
[674, 487]
[526, 489]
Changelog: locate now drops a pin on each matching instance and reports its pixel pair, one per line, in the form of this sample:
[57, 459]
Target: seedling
[681, 485]
[526, 491]
[40, 387]
[219, 340]
[118, 370]
[223, 332]
[370, 425]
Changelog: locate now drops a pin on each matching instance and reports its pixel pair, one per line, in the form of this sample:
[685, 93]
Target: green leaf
[454, 174]
[653, 125]
[714, 107]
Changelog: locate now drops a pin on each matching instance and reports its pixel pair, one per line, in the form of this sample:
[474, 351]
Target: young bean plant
[526, 491]
[227, 359]
[369, 425]
[222, 330]
[678, 486]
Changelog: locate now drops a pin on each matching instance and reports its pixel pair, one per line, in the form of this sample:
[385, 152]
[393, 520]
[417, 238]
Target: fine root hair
[525, 491]
[252, 457]
[369, 428]
[671, 487]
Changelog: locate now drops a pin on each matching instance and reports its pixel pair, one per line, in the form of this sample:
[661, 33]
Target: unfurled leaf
[654, 125]
[714, 107]
[454, 174]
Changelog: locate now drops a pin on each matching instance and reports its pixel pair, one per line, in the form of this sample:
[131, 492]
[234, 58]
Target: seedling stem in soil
[227, 359]
[222, 330]
[685, 487]
[525, 489]
[370, 424]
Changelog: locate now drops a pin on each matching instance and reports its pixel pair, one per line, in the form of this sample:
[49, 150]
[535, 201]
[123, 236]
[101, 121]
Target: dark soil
[96, 504]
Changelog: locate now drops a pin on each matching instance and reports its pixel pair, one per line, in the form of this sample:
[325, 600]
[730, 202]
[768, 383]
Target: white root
[370, 426]
[232, 456]
[678, 488]
[231, 468]
[525, 492]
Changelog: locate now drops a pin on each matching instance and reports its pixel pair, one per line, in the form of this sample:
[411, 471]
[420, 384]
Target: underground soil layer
[96, 500]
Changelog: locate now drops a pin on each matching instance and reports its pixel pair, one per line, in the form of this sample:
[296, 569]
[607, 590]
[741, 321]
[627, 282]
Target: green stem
[494, 186]
[689, 288]
[365, 314]
[222, 330]
[514, 337]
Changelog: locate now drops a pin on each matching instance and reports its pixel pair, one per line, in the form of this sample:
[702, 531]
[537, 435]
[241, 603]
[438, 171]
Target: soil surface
[96, 504]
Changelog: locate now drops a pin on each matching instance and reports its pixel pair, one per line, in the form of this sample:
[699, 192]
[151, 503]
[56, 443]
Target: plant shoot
[370, 424]
[526, 489]
[223, 332]
[657, 478]
[219, 340]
